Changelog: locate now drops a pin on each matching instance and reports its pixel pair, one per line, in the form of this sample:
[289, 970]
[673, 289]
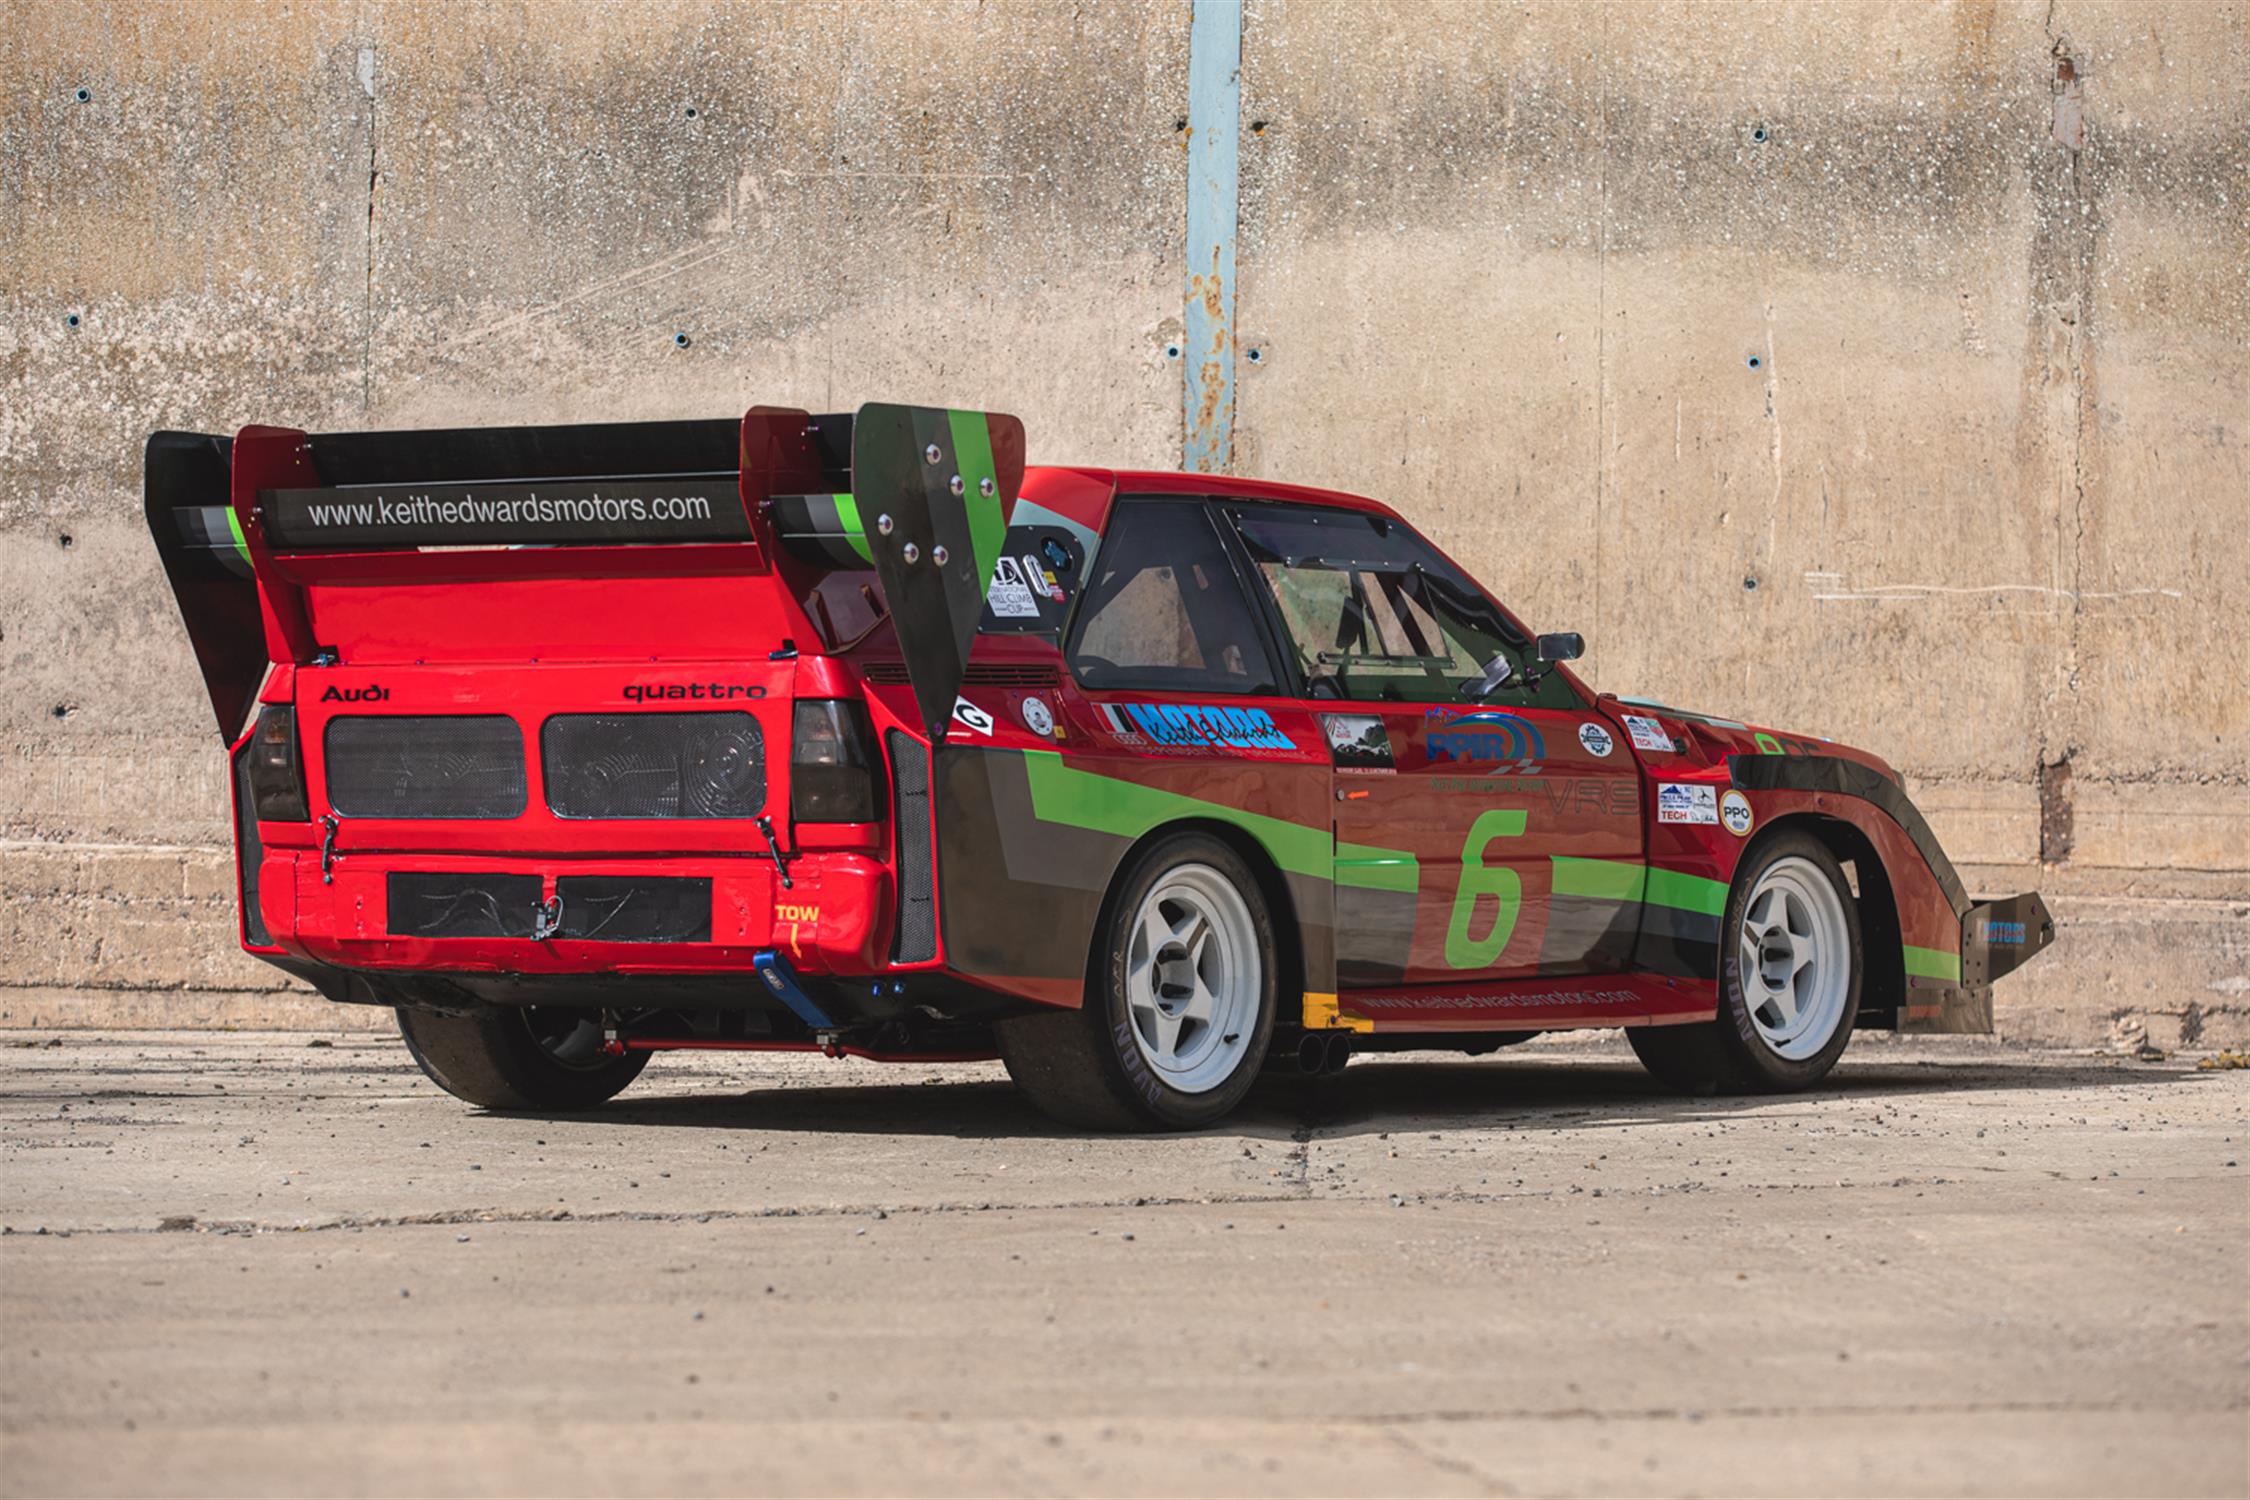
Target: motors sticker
[1647, 734]
[1596, 740]
[1357, 742]
[1010, 595]
[1036, 717]
[1734, 813]
[969, 716]
[1199, 726]
[1678, 803]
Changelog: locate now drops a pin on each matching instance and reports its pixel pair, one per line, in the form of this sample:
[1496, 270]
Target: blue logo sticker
[1488, 736]
[2008, 934]
[1208, 724]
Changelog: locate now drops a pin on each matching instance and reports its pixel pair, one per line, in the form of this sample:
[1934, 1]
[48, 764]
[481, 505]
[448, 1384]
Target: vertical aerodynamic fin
[191, 519]
[933, 490]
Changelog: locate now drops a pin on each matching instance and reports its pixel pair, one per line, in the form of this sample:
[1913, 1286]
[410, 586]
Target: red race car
[851, 733]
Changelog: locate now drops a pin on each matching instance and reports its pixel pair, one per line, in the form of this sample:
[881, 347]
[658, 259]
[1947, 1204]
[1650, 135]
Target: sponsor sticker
[1357, 742]
[1042, 580]
[1596, 739]
[2008, 934]
[969, 716]
[1734, 814]
[1011, 593]
[1490, 737]
[1680, 803]
[1647, 734]
[1036, 716]
[1121, 728]
[1190, 726]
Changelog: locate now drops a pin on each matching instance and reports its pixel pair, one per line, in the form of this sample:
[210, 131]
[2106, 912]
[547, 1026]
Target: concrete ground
[262, 1264]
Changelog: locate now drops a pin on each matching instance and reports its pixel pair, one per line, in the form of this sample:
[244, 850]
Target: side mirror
[1563, 645]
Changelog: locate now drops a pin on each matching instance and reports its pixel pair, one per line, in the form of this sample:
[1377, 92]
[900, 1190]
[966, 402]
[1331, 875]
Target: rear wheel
[1789, 979]
[519, 1057]
[1181, 1009]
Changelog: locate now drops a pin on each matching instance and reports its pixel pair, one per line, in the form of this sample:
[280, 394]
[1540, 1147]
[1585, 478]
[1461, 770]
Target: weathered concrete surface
[239, 1264]
[1979, 505]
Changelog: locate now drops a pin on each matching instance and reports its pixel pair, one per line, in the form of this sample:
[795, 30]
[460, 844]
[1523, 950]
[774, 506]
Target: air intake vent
[979, 674]
[910, 822]
[425, 766]
[709, 765]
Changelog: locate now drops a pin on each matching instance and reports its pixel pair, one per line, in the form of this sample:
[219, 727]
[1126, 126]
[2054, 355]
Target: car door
[1478, 837]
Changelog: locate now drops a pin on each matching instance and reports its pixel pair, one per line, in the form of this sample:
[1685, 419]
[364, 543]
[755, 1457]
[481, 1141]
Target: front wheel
[518, 1057]
[1790, 966]
[1181, 1008]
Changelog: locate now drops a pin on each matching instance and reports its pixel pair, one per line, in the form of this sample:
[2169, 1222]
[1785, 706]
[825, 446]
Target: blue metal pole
[1214, 140]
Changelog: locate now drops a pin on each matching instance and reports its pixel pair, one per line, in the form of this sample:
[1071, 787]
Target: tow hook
[328, 826]
[773, 847]
[546, 919]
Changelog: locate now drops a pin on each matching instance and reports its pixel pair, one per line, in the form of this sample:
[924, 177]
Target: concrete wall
[1878, 371]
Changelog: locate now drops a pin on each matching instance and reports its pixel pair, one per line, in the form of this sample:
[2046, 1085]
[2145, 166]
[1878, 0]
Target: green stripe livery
[1932, 963]
[972, 451]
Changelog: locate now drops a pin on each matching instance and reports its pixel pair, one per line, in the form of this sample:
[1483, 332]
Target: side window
[1373, 612]
[1164, 611]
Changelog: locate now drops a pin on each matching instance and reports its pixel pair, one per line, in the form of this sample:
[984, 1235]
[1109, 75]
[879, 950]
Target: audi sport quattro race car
[852, 733]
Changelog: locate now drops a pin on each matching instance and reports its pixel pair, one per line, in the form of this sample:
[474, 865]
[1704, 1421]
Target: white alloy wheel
[1193, 978]
[1795, 958]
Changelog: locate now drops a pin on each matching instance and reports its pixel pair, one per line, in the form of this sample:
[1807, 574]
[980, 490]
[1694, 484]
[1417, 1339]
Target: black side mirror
[1563, 645]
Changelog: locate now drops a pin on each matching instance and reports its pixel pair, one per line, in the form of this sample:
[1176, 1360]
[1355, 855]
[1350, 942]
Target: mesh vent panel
[425, 766]
[910, 822]
[704, 765]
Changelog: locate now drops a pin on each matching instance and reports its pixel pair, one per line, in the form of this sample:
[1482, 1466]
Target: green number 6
[1481, 879]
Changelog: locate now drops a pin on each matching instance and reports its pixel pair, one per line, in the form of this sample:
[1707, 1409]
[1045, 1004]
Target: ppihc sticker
[1011, 593]
[1647, 734]
[1596, 739]
[1677, 802]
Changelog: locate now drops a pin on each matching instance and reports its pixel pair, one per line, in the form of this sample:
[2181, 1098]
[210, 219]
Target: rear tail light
[277, 777]
[833, 769]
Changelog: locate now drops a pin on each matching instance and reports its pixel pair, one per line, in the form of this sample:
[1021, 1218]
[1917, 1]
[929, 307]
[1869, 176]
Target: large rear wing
[244, 524]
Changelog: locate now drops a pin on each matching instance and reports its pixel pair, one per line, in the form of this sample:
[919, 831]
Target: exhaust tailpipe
[1336, 1053]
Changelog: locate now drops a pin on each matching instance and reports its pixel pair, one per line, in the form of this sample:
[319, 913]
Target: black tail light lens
[834, 773]
[277, 777]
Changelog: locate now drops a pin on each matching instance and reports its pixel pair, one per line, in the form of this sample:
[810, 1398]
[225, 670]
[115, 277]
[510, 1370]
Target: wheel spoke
[1167, 1030]
[1156, 933]
[1752, 960]
[1802, 951]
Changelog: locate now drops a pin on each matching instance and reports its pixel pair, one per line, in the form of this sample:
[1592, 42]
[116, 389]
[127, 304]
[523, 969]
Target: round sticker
[1596, 739]
[1036, 718]
[1734, 812]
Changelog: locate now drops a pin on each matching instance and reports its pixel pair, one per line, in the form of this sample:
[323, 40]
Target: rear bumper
[579, 916]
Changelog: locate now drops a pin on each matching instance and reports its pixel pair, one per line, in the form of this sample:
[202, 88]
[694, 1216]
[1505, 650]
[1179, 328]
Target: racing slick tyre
[1789, 979]
[1180, 1006]
[518, 1057]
